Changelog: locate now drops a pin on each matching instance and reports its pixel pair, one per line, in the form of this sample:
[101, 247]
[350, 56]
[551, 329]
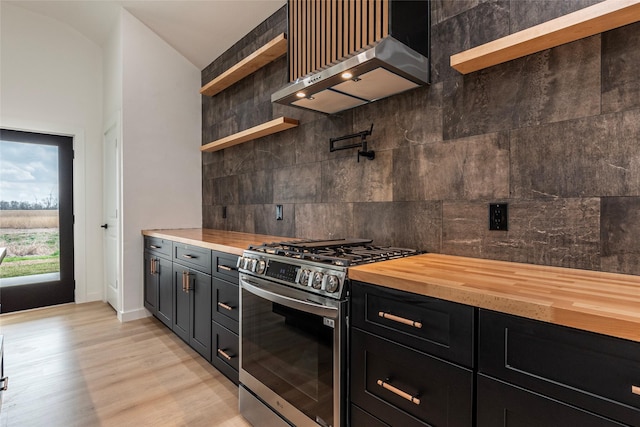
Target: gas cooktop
[338, 252]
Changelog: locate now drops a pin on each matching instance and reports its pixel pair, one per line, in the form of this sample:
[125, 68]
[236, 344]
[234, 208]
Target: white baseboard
[128, 316]
[91, 297]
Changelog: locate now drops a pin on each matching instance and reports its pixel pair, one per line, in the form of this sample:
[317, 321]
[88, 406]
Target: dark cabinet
[503, 404]
[406, 351]
[225, 309]
[195, 292]
[226, 351]
[586, 378]
[192, 297]
[158, 288]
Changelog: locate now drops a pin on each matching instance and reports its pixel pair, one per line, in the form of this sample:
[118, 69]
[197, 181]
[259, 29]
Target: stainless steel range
[293, 329]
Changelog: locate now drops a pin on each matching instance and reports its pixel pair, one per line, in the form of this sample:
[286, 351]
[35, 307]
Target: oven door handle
[295, 303]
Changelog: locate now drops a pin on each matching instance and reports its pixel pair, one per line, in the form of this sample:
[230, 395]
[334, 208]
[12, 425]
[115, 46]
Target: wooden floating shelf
[258, 59]
[583, 23]
[274, 126]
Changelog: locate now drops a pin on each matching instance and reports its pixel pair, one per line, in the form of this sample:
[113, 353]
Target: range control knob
[240, 262]
[254, 264]
[332, 284]
[261, 267]
[304, 277]
[317, 280]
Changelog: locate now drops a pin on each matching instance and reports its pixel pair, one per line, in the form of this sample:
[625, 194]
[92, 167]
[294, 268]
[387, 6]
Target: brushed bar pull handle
[399, 319]
[154, 262]
[635, 389]
[187, 256]
[398, 392]
[223, 354]
[154, 247]
[151, 266]
[184, 283]
[224, 267]
[225, 306]
[188, 282]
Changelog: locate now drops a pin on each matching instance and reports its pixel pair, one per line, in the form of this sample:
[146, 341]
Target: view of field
[32, 241]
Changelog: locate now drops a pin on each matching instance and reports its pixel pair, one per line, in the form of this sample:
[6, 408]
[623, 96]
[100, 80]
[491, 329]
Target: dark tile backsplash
[555, 134]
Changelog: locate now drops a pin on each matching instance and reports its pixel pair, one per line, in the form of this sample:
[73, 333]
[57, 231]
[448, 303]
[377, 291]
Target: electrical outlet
[278, 212]
[498, 216]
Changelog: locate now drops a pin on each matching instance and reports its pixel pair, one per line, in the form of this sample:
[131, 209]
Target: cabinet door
[165, 291]
[158, 246]
[200, 301]
[224, 266]
[580, 368]
[502, 404]
[150, 283]
[360, 418]
[225, 304]
[441, 328]
[193, 256]
[181, 309]
[225, 351]
[403, 387]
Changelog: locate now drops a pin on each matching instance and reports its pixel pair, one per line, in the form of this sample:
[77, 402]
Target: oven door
[293, 351]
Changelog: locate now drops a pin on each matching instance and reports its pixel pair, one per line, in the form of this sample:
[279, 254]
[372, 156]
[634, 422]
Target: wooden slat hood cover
[599, 302]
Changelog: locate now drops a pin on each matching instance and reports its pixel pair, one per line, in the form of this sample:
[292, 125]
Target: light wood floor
[77, 365]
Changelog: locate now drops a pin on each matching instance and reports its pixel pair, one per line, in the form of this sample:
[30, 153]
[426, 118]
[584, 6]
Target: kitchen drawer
[193, 256]
[361, 418]
[158, 246]
[581, 368]
[226, 351]
[501, 404]
[224, 266]
[442, 328]
[225, 309]
[444, 390]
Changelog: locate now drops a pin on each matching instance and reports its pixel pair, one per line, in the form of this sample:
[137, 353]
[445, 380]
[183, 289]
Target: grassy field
[32, 241]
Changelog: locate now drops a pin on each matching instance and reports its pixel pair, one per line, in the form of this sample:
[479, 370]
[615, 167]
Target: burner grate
[340, 252]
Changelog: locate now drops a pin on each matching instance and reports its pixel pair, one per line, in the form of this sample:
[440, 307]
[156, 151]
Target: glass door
[36, 220]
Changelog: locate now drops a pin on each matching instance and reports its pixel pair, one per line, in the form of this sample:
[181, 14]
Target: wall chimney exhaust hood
[375, 52]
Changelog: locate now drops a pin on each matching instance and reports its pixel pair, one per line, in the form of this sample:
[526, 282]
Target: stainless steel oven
[293, 331]
[293, 353]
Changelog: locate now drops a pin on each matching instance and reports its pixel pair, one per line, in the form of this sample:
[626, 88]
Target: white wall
[161, 134]
[51, 81]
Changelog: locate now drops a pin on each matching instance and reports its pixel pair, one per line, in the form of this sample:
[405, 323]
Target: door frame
[79, 190]
[44, 293]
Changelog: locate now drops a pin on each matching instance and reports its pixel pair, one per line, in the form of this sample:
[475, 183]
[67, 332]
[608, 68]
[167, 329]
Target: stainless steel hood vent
[346, 54]
[386, 69]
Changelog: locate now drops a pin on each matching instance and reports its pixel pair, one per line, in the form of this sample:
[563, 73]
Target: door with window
[36, 220]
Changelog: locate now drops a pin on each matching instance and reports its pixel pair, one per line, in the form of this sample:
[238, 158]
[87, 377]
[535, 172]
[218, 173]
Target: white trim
[128, 316]
[79, 190]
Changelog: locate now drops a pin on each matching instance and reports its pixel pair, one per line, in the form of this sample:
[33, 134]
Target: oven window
[290, 352]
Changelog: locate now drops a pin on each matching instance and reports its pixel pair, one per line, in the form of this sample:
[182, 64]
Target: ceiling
[200, 30]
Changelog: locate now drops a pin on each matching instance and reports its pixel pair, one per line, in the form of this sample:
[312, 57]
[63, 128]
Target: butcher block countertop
[605, 303]
[232, 242]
